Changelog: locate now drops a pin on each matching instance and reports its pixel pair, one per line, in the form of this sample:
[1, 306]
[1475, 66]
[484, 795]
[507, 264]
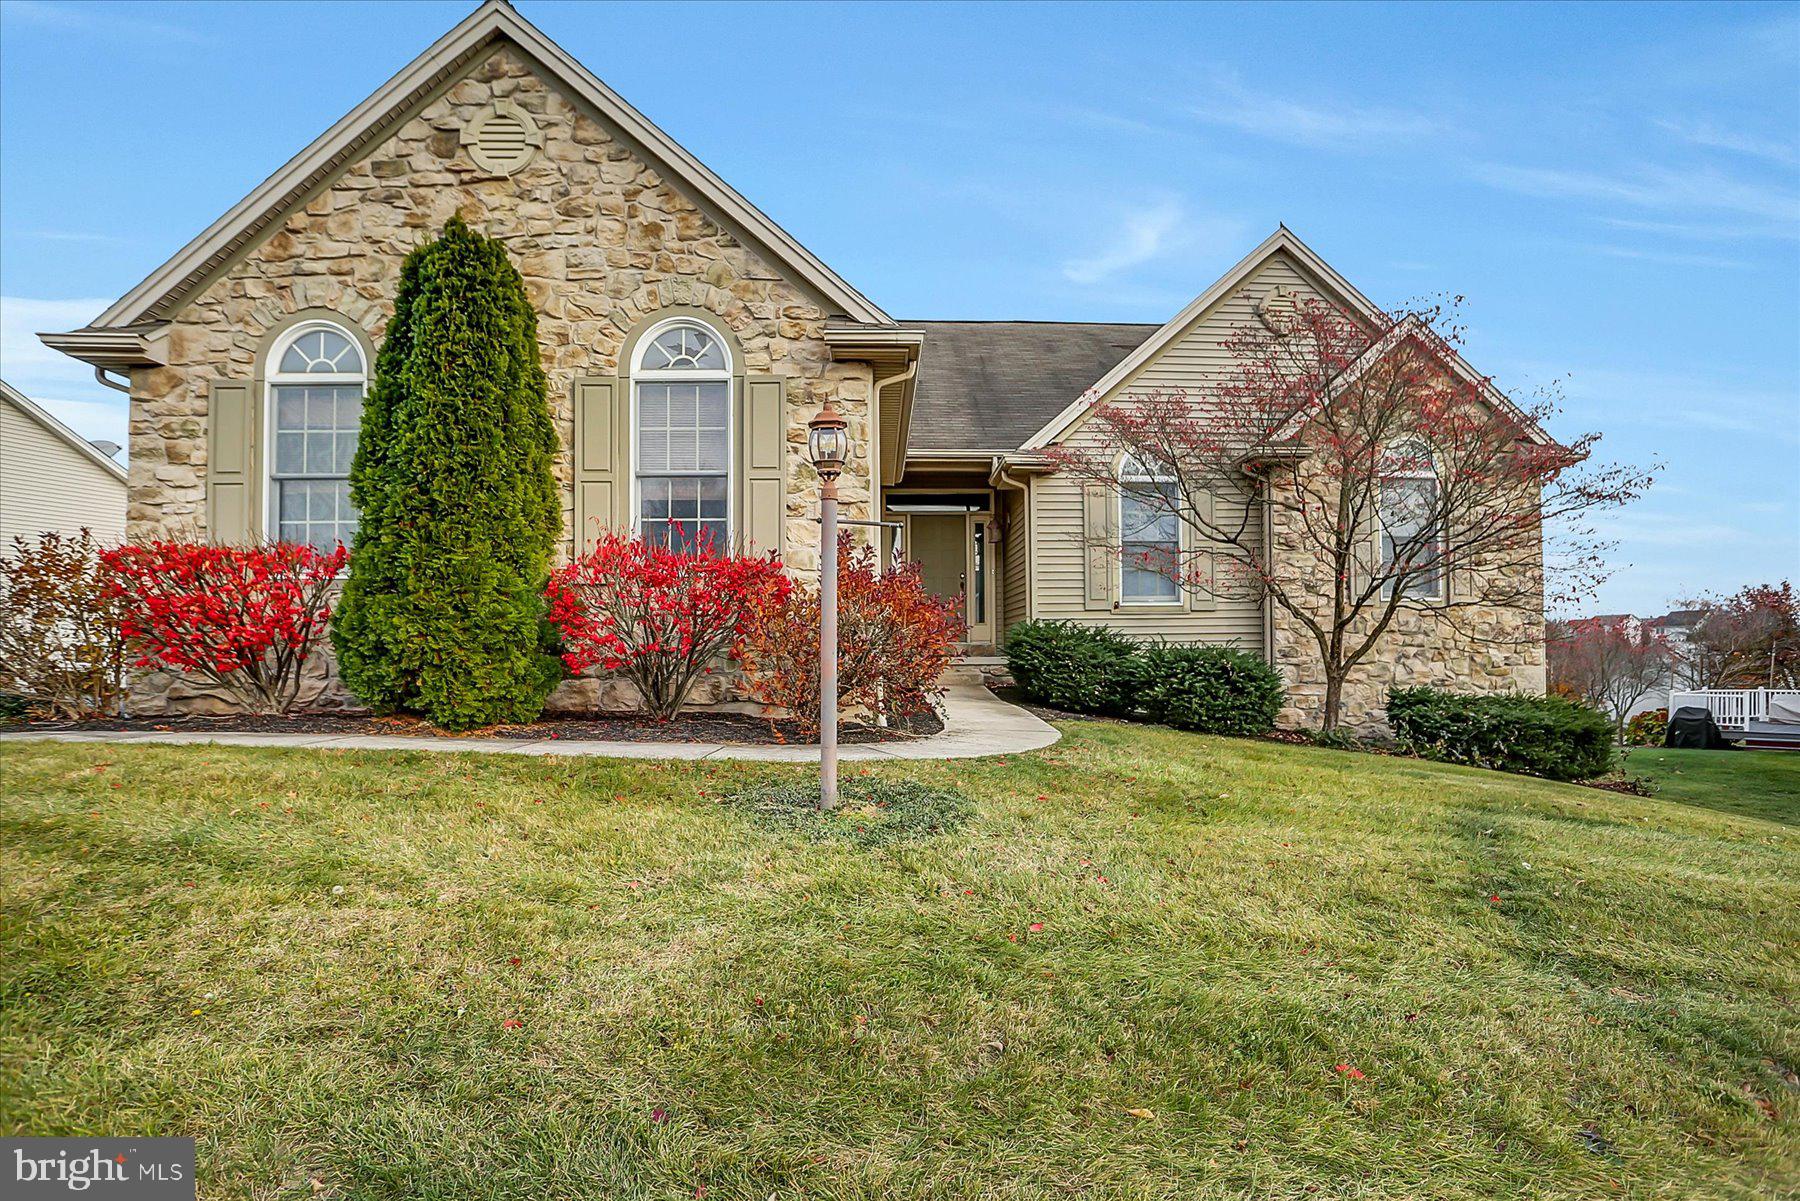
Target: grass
[1763, 784]
[1150, 965]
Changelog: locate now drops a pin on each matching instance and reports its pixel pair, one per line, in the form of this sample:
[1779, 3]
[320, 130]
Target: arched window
[1412, 544]
[316, 379]
[681, 419]
[1149, 535]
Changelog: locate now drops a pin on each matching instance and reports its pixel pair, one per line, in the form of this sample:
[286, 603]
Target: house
[688, 339]
[52, 479]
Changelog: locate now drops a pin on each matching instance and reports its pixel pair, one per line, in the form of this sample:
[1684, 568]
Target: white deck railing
[1734, 707]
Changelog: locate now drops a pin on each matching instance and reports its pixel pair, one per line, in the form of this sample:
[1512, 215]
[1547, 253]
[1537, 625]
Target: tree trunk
[1334, 700]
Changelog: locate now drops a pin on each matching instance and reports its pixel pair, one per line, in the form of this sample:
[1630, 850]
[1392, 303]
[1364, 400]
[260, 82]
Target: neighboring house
[1675, 628]
[53, 479]
[688, 340]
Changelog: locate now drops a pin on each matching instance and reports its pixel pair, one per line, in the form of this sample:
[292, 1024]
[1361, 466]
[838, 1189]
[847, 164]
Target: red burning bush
[894, 640]
[245, 618]
[656, 615]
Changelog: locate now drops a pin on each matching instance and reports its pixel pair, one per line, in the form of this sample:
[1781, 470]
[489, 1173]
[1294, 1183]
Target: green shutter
[1098, 544]
[762, 447]
[600, 471]
[230, 459]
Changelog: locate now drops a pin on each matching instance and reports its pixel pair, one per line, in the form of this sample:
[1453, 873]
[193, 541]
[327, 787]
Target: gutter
[113, 349]
[903, 428]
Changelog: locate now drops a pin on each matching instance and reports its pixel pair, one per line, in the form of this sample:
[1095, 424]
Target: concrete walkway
[976, 723]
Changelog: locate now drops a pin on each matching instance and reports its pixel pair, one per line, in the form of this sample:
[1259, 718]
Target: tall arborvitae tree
[458, 515]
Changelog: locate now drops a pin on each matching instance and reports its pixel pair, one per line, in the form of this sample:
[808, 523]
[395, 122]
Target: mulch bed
[733, 728]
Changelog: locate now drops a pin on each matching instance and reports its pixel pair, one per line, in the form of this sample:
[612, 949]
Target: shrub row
[1532, 735]
[1092, 669]
[74, 616]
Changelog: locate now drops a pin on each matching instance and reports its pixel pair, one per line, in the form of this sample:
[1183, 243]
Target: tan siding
[46, 484]
[1195, 361]
[1061, 578]
[1014, 559]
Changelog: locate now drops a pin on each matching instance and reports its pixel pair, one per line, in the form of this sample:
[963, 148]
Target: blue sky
[1614, 188]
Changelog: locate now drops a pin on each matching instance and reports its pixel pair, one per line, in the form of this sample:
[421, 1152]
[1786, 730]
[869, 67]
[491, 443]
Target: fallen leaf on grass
[1142, 1114]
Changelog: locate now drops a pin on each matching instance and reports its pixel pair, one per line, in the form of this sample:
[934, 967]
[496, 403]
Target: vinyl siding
[1194, 361]
[1015, 556]
[46, 484]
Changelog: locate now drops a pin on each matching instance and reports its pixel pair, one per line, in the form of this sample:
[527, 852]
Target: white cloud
[62, 385]
[26, 361]
[1673, 400]
[93, 419]
[1705, 190]
[1670, 258]
[1158, 230]
[1709, 232]
[1704, 133]
[91, 18]
[1344, 127]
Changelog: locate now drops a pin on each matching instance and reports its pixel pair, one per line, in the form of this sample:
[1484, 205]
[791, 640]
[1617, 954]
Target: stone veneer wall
[603, 242]
[1467, 648]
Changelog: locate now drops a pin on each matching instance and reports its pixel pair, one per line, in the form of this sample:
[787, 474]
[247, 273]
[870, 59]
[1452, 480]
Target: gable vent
[502, 139]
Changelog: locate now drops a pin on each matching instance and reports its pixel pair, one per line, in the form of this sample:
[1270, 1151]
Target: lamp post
[827, 444]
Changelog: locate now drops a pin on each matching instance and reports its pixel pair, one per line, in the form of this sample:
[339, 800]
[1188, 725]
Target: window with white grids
[316, 382]
[681, 406]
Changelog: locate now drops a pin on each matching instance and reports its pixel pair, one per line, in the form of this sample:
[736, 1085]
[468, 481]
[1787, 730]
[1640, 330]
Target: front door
[952, 552]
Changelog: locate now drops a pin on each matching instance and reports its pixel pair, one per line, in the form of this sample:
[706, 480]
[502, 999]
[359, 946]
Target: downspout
[115, 385]
[998, 478]
[881, 385]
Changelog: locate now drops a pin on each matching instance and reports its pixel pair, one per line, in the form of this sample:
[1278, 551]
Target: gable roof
[33, 410]
[987, 385]
[1282, 241]
[495, 22]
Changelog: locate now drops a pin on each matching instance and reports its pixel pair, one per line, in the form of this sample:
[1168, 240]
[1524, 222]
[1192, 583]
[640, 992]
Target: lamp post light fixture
[827, 444]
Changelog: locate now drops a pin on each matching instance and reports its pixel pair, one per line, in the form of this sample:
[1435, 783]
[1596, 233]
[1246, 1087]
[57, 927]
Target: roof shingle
[989, 385]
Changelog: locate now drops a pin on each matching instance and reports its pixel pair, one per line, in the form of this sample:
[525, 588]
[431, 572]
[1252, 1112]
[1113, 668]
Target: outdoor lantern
[827, 442]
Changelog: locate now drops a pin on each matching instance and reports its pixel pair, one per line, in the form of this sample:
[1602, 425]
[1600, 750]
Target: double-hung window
[315, 386]
[1149, 536]
[1412, 545]
[681, 408]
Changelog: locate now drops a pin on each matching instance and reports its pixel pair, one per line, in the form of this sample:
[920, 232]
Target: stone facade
[604, 243]
[1463, 647]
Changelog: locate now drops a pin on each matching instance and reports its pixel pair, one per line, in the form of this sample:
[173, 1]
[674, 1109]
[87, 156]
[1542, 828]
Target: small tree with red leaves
[659, 616]
[1360, 471]
[894, 640]
[1610, 663]
[60, 643]
[244, 618]
[1750, 639]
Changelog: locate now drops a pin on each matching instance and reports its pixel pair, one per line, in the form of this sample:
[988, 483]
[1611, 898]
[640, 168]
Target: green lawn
[1749, 783]
[1145, 969]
